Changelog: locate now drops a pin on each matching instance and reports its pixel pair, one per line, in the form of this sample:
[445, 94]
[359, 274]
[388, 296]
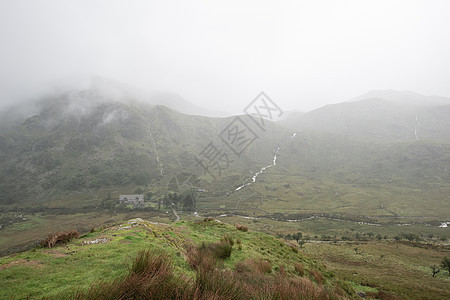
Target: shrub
[221, 250]
[59, 238]
[299, 269]
[206, 256]
[445, 264]
[241, 227]
[239, 243]
[411, 236]
[227, 240]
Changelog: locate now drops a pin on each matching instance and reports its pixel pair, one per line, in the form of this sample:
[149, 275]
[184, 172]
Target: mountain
[96, 138]
[381, 116]
[82, 148]
[80, 144]
[349, 177]
[407, 98]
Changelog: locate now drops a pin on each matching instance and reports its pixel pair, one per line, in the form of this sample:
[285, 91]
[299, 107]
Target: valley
[341, 191]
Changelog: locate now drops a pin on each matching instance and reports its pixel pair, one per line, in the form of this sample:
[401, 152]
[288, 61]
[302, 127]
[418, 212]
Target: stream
[253, 179]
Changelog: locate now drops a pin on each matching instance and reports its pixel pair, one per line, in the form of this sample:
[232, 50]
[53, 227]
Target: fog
[220, 55]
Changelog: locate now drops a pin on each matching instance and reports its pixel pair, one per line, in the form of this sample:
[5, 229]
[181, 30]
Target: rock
[362, 295]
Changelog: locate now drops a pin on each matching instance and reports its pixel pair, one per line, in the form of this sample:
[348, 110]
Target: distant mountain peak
[404, 98]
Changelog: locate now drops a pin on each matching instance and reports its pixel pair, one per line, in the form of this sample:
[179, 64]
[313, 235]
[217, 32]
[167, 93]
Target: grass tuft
[241, 227]
[59, 238]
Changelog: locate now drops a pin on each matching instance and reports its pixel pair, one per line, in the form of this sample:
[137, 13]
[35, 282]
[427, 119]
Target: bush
[221, 250]
[227, 240]
[206, 256]
[59, 238]
[241, 227]
[445, 264]
[411, 236]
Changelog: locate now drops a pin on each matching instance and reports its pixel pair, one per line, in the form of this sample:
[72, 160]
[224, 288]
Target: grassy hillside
[256, 264]
[387, 270]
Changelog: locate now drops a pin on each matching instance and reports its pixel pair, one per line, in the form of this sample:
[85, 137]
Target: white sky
[221, 54]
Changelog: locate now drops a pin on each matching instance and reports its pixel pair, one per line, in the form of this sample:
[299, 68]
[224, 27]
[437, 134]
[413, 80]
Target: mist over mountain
[383, 116]
[406, 98]
[103, 134]
[219, 149]
[88, 91]
[376, 162]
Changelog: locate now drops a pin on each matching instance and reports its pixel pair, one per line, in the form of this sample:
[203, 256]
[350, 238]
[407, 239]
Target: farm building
[135, 200]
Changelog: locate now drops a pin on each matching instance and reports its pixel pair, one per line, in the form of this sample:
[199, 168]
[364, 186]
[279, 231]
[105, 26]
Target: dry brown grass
[241, 227]
[318, 277]
[206, 256]
[59, 238]
[152, 276]
[299, 269]
[254, 266]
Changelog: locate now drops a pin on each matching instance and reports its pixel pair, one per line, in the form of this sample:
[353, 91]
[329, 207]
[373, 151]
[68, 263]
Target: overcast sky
[221, 54]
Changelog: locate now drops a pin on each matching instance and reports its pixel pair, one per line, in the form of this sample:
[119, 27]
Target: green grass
[50, 272]
[17, 236]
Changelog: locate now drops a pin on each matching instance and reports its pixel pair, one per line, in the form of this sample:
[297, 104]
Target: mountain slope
[86, 140]
[105, 255]
[383, 117]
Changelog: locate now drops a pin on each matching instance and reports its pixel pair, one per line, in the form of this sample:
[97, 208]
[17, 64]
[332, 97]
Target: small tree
[297, 236]
[445, 264]
[434, 270]
[301, 243]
